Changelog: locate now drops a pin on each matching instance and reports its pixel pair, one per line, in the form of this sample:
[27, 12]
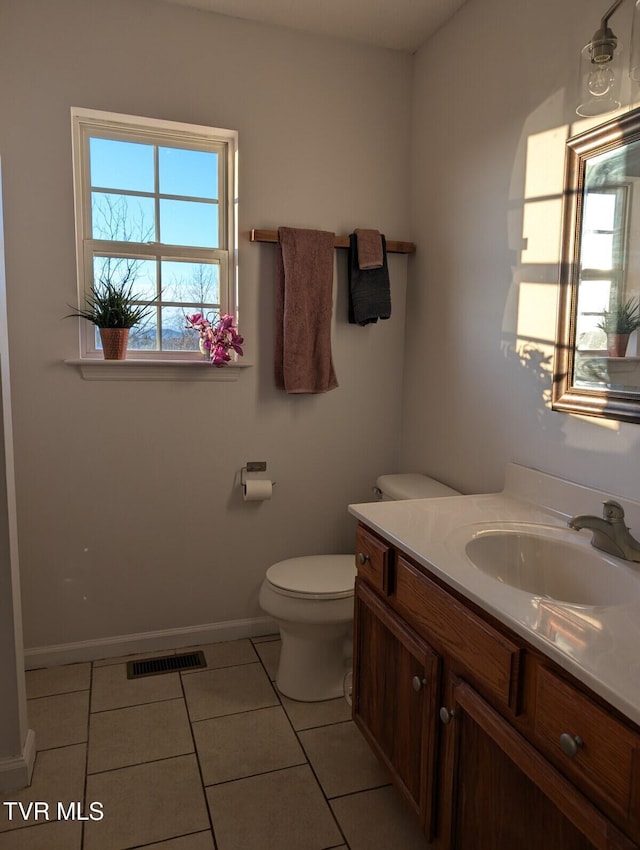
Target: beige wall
[129, 520]
[493, 102]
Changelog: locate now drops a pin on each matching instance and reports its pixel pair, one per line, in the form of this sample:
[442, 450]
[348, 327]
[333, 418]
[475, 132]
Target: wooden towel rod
[393, 246]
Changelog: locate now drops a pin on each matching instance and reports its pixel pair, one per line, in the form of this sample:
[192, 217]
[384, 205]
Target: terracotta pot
[617, 344]
[114, 343]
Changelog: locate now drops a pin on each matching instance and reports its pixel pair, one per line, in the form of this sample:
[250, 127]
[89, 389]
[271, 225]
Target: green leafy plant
[112, 305]
[623, 320]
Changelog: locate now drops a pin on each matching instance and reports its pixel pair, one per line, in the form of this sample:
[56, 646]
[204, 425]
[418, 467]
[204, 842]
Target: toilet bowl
[311, 600]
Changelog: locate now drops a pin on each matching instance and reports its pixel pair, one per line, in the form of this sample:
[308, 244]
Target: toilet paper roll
[257, 490]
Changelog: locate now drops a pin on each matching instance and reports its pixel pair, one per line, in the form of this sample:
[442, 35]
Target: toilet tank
[410, 485]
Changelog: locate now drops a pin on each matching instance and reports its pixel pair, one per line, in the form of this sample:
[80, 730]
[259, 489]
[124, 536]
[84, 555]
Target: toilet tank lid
[315, 574]
[412, 485]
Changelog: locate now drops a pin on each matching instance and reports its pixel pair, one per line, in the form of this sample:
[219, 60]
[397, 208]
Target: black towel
[369, 291]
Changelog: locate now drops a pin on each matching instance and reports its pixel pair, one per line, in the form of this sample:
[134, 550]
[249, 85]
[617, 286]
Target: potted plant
[114, 309]
[618, 324]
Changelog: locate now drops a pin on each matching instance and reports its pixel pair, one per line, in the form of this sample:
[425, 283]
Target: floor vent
[165, 664]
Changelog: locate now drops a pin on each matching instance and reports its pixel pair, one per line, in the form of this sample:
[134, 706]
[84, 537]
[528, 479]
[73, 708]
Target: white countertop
[599, 645]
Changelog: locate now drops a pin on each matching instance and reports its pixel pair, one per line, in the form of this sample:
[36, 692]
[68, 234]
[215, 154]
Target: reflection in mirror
[597, 363]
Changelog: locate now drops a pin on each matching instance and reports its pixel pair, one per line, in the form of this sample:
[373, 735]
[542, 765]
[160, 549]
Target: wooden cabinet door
[395, 699]
[499, 792]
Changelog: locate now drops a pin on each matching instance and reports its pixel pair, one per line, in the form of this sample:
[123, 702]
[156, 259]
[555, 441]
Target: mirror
[597, 355]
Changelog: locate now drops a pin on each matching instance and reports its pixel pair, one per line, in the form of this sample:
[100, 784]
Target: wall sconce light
[601, 66]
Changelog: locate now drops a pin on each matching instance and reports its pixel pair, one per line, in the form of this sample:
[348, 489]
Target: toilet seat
[314, 577]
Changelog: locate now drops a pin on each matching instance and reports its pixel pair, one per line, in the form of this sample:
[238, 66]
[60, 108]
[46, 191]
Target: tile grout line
[326, 799]
[255, 775]
[197, 757]
[236, 713]
[86, 755]
[58, 694]
[140, 763]
[348, 794]
[134, 705]
[164, 840]
[311, 768]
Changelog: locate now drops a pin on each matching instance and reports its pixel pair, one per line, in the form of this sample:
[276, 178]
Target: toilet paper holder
[253, 466]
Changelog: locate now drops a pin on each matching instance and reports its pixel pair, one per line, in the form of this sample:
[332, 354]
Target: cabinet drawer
[605, 749]
[374, 560]
[487, 658]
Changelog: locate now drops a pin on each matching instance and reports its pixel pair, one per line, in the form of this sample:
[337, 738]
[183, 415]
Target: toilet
[311, 599]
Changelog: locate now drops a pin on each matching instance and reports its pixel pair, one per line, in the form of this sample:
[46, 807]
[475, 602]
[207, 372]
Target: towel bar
[393, 246]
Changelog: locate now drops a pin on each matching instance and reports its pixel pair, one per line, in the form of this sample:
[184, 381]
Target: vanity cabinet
[396, 696]
[598, 752]
[493, 746]
[500, 792]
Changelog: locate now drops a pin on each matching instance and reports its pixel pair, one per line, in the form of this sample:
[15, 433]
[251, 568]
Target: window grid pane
[188, 173]
[186, 282]
[121, 165]
[192, 223]
[123, 218]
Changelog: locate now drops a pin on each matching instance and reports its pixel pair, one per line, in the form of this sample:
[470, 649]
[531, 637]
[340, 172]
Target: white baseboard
[92, 650]
[15, 772]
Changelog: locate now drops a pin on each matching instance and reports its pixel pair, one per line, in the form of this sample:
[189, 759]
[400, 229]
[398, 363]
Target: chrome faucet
[610, 533]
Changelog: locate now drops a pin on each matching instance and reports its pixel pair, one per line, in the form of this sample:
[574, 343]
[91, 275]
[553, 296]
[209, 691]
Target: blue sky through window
[124, 167]
[190, 173]
[121, 165]
[188, 223]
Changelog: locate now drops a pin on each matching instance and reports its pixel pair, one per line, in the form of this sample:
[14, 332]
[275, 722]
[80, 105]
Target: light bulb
[600, 76]
[600, 80]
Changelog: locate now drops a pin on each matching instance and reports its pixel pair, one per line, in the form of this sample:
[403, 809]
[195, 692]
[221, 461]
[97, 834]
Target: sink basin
[546, 561]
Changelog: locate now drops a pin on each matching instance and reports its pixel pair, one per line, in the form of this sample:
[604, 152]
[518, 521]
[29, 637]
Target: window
[603, 261]
[155, 207]
[603, 266]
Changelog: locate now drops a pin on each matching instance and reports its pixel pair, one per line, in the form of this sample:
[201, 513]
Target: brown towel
[369, 249]
[304, 290]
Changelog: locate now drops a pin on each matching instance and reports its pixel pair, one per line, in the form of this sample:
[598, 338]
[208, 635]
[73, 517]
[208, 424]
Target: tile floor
[212, 759]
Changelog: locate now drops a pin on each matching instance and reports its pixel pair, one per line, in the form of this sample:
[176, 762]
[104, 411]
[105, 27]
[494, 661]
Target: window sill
[156, 370]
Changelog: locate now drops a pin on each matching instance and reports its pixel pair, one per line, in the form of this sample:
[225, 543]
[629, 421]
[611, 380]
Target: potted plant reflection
[618, 324]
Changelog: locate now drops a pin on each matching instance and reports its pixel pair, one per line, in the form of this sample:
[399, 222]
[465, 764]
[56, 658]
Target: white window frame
[87, 123]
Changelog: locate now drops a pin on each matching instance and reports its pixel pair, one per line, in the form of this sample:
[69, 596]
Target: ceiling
[397, 24]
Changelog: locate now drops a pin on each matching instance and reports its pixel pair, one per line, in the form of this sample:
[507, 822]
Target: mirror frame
[565, 397]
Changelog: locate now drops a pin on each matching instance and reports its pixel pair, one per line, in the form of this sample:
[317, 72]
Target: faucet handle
[612, 511]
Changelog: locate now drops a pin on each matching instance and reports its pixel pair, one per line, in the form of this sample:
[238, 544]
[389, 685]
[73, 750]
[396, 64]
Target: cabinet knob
[418, 683]
[570, 744]
[446, 715]
[362, 558]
